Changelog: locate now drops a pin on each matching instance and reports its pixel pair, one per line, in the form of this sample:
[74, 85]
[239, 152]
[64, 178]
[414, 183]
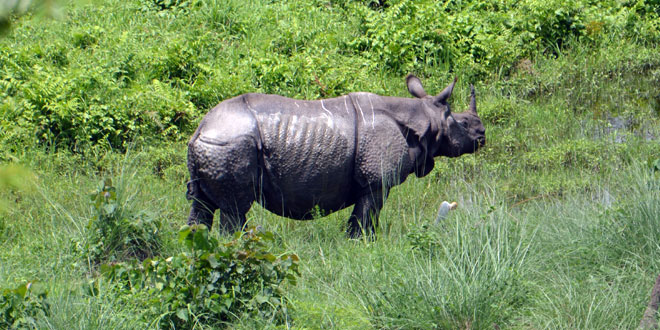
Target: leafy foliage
[424, 239]
[13, 177]
[406, 36]
[111, 88]
[73, 109]
[211, 283]
[20, 308]
[167, 4]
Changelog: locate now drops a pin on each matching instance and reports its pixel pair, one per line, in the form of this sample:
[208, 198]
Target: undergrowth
[211, 283]
[22, 307]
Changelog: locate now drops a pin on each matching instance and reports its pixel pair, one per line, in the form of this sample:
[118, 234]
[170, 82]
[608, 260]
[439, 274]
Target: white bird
[444, 210]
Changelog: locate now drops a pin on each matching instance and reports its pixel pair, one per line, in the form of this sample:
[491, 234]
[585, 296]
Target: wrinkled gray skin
[293, 155]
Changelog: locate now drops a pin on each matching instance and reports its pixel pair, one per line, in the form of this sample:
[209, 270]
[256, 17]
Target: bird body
[445, 207]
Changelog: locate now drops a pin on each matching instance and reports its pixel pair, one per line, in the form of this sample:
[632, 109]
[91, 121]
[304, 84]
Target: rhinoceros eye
[463, 123]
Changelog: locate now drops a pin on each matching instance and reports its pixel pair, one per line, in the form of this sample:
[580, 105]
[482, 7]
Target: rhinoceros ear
[415, 86]
[445, 94]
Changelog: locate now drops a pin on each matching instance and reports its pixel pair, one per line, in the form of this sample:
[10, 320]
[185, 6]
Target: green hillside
[558, 224]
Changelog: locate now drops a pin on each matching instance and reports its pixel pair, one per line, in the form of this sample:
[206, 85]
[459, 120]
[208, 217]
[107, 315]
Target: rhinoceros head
[458, 133]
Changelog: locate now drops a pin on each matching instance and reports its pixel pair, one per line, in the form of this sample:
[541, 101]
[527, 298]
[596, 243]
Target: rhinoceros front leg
[365, 214]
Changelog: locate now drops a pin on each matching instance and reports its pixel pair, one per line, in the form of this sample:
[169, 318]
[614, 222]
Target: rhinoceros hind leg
[233, 198]
[201, 211]
[227, 176]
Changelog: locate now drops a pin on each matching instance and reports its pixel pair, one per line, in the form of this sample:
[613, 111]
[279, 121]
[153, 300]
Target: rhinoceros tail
[193, 184]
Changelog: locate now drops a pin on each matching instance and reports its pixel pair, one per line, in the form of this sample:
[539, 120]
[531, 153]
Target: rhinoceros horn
[446, 93]
[473, 101]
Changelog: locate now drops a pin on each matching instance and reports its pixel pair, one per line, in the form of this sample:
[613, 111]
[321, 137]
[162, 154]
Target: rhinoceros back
[308, 153]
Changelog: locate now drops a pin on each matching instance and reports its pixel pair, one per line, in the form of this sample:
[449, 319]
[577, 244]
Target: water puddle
[619, 129]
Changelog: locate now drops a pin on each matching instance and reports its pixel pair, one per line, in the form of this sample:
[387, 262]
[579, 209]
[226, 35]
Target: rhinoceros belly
[308, 163]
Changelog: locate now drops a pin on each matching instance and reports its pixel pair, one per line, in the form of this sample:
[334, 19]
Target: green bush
[406, 36]
[87, 38]
[425, 239]
[553, 22]
[211, 283]
[65, 109]
[20, 308]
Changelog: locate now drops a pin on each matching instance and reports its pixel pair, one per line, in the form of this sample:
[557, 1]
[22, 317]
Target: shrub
[86, 83]
[178, 62]
[87, 38]
[163, 158]
[88, 104]
[425, 239]
[211, 283]
[553, 22]
[21, 307]
[405, 36]
[160, 5]
[116, 232]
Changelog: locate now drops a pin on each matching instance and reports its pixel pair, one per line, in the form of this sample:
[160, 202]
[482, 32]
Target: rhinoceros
[299, 157]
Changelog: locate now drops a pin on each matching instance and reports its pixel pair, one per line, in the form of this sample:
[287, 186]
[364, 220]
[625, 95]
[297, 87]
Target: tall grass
[557, 225]
[583, 259]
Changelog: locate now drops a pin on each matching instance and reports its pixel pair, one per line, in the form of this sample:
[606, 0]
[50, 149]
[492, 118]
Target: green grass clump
[115, 233]
[469, 275]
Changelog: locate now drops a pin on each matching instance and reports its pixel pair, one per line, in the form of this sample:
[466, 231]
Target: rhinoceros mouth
[481, 141]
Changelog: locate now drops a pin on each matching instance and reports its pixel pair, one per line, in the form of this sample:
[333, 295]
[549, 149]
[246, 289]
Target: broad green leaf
[201, 239]
[22, 289]
[109, 208]
[261, 299]
[213, 261]
[184, 234]
[182, 313]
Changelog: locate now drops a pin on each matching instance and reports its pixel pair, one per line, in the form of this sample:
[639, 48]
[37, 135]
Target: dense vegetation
[559, 215]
